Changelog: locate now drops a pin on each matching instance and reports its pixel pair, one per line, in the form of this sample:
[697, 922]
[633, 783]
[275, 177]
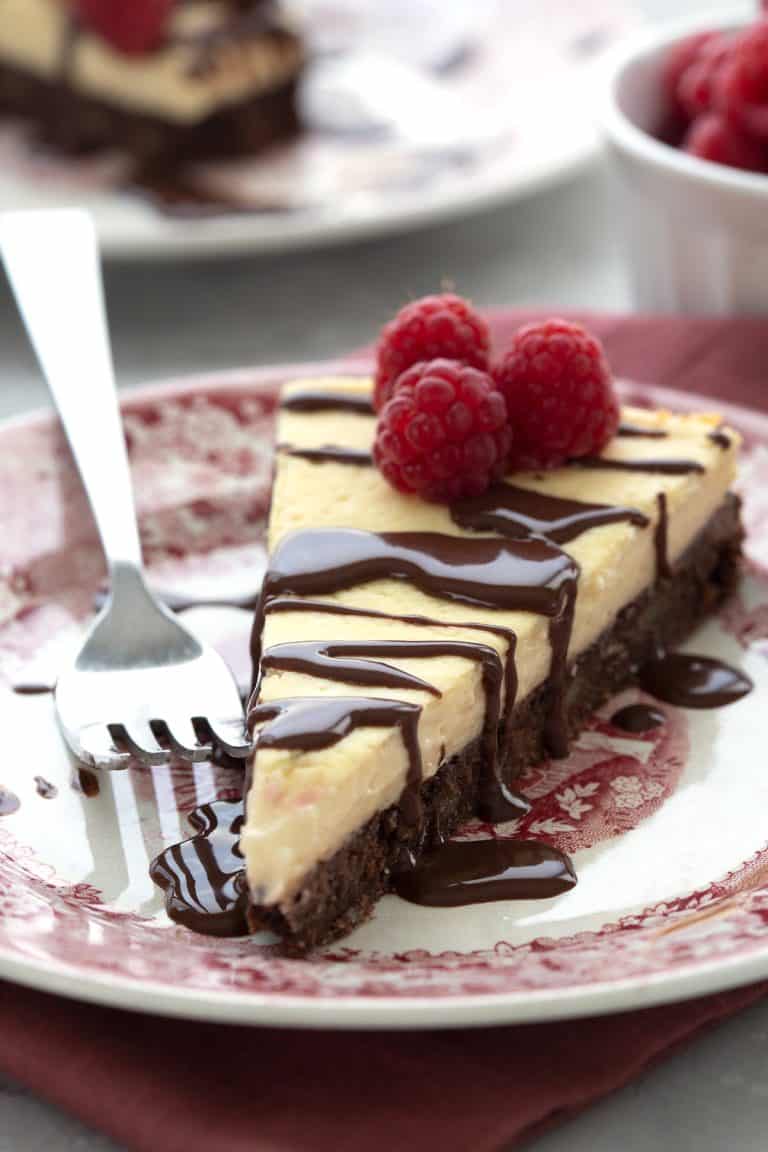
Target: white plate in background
[511, 113]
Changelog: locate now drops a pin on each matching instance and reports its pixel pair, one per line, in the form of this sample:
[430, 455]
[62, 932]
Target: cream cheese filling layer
[163, 83]
[303, 806]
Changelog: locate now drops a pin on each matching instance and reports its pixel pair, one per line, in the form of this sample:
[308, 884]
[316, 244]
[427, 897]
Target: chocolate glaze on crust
[76, 122]
[340, 893]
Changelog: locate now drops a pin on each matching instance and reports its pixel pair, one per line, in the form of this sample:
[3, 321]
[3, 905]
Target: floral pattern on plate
[77, 909]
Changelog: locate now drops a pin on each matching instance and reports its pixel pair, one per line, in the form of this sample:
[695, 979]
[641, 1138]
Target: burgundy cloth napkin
[159, 1085]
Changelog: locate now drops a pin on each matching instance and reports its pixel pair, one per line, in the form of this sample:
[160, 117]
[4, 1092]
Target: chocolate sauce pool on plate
[638, 718]
[86, 782]
[690, 681]
[481, 871]
[203, 877]
[45, 789]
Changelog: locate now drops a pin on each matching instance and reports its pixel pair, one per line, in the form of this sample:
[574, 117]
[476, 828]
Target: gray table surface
[561, 249]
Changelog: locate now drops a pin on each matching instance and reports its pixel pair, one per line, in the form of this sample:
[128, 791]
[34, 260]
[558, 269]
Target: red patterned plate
[668, 829]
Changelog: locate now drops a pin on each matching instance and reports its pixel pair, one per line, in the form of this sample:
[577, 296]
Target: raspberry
[445, 327]
[559, 391]
[697, 86]
[444, 434]
[678, 60]
[131, 26]
[742, 84]
[715, 138]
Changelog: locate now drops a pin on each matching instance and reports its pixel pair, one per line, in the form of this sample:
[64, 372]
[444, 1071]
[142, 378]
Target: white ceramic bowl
[697, 232]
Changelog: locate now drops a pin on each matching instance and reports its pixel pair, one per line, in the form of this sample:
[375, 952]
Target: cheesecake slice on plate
[164, 81]
[414, 657]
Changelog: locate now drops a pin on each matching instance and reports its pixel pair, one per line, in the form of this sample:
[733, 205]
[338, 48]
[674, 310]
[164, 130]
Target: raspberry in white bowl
[685, 110]
[716, 86]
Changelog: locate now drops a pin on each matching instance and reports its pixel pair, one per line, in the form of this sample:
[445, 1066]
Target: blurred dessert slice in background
[162, 80]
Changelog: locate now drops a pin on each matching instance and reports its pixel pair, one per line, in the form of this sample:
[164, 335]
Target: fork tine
[142, 742]
[97, 748]
[185, 740]
[231, 735]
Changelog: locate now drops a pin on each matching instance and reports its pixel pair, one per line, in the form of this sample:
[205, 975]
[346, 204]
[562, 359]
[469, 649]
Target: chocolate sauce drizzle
[32, 688]
[520, 513]
[481, 871]
[310, 723]
[522, 568]
[328, 400]
[358, 662]
[628, 429]
[203, 878]
[338, 661]
[690, 681]
[719, 437]
[9, 802]
[516, 575]
[497, 802]
[45, 789]
[660, 467]
[529, 575]
[638, 718]
[330, 454]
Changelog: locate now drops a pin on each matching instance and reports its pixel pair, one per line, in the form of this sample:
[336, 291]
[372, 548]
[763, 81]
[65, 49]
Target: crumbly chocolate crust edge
[75, 122]
[340, 893]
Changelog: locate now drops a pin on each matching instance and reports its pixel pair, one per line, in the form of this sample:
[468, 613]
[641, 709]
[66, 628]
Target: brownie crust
[77, 123]
[341, 892]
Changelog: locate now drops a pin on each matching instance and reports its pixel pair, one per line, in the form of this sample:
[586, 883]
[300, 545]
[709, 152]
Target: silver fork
[142, 685]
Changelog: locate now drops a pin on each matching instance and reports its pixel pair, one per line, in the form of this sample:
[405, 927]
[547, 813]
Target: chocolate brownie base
[341, 892]
[75, 122]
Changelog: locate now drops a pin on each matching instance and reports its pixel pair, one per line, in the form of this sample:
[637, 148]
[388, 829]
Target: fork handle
[52, 263]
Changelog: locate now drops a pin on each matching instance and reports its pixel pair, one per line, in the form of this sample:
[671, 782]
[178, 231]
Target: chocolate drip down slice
[661, 539]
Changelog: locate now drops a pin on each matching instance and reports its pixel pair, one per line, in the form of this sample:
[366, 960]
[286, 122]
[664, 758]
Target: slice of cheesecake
[220, 81]
[414, 657]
